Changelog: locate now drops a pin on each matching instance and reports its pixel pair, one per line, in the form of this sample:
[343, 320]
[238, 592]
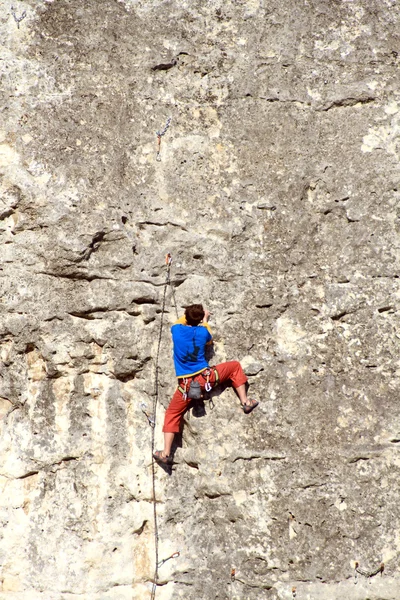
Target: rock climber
[190, 335]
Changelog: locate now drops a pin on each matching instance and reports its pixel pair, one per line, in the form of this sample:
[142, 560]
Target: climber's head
[194, 314]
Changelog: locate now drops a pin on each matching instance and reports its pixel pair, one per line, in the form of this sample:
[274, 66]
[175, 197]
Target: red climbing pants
[230, 371]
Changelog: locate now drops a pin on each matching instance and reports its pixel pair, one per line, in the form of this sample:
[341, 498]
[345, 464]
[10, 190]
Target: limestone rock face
[276, 190]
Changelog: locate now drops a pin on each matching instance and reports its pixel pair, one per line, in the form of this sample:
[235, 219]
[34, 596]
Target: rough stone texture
[277, 194]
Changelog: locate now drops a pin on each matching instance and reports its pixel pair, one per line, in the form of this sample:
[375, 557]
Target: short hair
[194, 314]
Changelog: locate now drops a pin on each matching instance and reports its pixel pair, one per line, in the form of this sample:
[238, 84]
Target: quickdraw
[184, 389]
[159, 135]
[18, 19]
[365, 573]
[164, 560]
[149, 416]
[206, 374]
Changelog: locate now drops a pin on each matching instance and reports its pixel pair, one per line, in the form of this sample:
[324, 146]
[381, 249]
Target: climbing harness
[192, 392]
[152, 421]
[365, 573]
[159, 135]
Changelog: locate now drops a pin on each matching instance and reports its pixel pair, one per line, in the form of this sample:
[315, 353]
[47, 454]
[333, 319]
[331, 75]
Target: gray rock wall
[277, 195]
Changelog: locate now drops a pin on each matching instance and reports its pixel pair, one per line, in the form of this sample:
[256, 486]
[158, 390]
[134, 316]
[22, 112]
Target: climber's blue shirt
[189, 347]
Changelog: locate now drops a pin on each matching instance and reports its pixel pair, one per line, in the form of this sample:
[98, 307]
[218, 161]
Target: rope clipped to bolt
[152, 418]
[16, 18]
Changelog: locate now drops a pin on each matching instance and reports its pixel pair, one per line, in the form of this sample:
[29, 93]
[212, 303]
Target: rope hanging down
[152, 421]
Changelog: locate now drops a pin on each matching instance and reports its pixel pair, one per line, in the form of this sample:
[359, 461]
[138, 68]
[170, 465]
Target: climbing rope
[152, 421]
